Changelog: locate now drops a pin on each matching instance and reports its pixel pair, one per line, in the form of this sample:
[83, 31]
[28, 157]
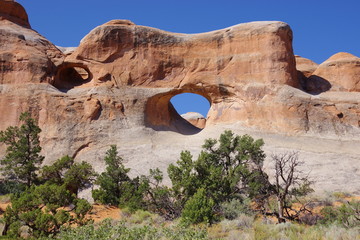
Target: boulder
[195, 119]
[341, 72]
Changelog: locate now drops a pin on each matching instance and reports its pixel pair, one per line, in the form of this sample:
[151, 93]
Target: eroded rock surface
[195, 119]
[342, 71]
[25, 55]
[116, 86]
[14, 12]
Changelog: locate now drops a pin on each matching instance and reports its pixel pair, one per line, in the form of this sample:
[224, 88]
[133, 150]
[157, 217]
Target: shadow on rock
[316, 85]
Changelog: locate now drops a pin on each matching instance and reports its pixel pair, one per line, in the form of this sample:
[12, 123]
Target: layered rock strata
[116, 86]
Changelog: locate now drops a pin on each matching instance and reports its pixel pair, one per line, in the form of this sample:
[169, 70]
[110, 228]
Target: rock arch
[192, 107]
[70, 75]
[160, 114]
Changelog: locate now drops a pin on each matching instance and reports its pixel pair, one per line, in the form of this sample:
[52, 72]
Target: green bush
[116, 187]
[64, 171]
[235, 207]
[220, 168]
[347, 215]
[8, 187]
[226, 169]
[199, 208]
[123, 231]
[42, 209]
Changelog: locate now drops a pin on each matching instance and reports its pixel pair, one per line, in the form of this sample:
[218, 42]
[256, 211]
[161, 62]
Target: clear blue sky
[321, 28]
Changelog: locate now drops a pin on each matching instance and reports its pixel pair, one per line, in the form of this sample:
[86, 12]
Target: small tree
[159, 198]
[55, 173]
[79, 176]
[22, 159]
[226, 169]
[46, 208]
[290, 183]
[112, 180]
[64, 171]
[116, 187]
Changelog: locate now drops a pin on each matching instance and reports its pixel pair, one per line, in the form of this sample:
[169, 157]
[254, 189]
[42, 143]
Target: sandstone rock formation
[25, 56]
[305, 66]
[195, 119]
[13, 11]
[116, 86]
[66, 50]
[342, 71]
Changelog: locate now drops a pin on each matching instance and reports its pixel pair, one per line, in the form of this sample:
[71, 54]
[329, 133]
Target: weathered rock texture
[342, 71]
[14, 12]
[195, 119]
[25, 56]
[116, 86]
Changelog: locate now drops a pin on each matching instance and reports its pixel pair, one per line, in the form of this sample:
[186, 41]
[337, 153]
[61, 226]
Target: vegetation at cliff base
[223, 193]
[45, 200]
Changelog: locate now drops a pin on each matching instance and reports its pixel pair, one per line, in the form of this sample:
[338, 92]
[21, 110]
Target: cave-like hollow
[71, 75]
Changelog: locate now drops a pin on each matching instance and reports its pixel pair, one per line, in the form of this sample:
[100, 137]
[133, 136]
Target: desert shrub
[244, 221]
[140, 216]
[298, 231]
[123, 231]
[199, 208]
[264, 231]
[8, 187]
[159, 198]
[79, 177]
[64, 171]
[235, 207]
[336, 232]
[341, 195]
[280, 231]
[55, 173]
[42, 209]
[241, 223]
[347, 215]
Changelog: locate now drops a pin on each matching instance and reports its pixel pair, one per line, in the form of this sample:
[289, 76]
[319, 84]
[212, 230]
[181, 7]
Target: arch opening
[192, 107]
[161, 115]
[71, 76]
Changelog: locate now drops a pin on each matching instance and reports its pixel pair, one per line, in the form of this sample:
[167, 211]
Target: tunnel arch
[161, 115]
[192, 107]
[70, 75]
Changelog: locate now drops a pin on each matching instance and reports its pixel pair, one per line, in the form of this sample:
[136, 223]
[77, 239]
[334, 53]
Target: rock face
[342, 71]
[116, 86]
[25, 56]
[305, 66]
[14, 12]
[195, 119]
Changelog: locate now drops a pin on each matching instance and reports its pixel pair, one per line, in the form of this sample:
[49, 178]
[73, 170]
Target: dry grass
[101, 212]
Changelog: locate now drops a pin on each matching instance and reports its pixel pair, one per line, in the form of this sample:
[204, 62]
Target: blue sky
[321, 28]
